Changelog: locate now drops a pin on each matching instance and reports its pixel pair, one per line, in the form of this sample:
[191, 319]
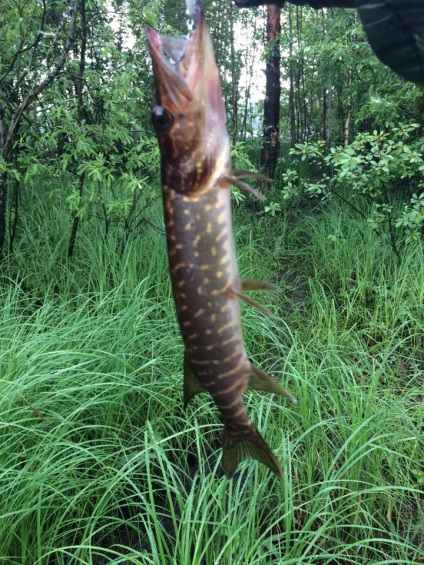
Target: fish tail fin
[239, 447]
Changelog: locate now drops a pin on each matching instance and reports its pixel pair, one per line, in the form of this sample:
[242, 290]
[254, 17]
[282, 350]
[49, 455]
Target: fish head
[188, 112]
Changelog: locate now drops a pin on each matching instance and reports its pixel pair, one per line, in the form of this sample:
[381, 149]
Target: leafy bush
[383, 168]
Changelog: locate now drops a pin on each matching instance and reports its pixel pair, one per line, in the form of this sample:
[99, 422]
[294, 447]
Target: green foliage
[290, 184]
[89, 135]
[272, 208]
[382, 168]
[412, 217]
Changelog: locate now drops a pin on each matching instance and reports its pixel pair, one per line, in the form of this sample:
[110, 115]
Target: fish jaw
[188, 111]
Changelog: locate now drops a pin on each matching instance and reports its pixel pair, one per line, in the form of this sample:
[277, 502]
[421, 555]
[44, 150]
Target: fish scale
[189, 117]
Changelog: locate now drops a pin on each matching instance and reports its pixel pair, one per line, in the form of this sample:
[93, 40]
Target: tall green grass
[100, 465]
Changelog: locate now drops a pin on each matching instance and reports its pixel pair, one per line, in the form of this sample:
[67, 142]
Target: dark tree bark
[270, 144]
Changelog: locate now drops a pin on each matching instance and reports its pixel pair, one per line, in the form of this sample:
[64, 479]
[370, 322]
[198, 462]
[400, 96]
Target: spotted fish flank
[189, 118]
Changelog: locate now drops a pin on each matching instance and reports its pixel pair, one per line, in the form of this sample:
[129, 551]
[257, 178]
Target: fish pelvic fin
[238, 447]
[249, 175]
[247, 300]
[259, 380]
[192, 384]
[234, 179]
[255, 284]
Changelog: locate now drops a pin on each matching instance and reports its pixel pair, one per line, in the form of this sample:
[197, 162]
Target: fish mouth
[177, 63]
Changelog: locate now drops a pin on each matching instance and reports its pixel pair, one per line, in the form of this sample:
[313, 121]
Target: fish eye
[162, 119]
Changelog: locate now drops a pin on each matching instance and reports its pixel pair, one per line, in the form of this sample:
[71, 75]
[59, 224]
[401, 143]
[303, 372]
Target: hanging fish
[190, 122]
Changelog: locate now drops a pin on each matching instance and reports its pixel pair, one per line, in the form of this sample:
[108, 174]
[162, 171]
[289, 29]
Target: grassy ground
[100, 465]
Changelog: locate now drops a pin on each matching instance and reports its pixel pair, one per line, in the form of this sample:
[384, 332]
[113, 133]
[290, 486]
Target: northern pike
[190, 121]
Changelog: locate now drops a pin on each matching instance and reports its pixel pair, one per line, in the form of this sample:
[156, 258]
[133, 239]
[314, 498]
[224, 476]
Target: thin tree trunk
[329, 96]
[299, 72]
[79, 84]
[246, 109]
[293, 138]
[324, 115]
[3, 204]
[76, 220]
[13, 216]
[270, 143]
[349, 111]
[234, 82]
[248, 65]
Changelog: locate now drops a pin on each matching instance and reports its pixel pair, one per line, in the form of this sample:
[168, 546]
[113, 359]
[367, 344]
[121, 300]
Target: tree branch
[30, 97]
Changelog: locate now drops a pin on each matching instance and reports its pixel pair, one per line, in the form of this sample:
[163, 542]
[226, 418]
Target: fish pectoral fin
[233, 180]
[259, 380]
[238, 174]
[255, 284]
[237, 448]
[192, 384]
[237, 294]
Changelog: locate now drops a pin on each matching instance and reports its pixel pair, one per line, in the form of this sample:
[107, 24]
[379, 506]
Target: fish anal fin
[259, 380]
[237, 294]
[192, 385]
[238, 447]
[230, 179]
[255, 284]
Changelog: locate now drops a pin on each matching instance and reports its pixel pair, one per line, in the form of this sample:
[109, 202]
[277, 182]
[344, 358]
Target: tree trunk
[349, 111]
[3, 204]
[249, 66]
[76, 219]
[293, 139]
[300, 91]
[329, 96]
[79, 85]
[234, 82]
[13, 215]
[270, 144]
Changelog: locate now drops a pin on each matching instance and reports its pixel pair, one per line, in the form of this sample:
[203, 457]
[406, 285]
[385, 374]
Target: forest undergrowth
[99, 464]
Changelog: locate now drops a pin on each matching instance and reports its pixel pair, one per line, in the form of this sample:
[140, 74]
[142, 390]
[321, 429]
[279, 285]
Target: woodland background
[98, 462]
